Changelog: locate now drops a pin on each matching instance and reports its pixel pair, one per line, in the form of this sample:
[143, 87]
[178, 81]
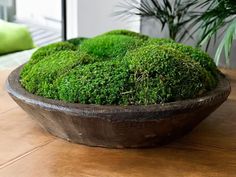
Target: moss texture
[119, 68]
[77, 41]
[97, 83]
[162, 74]
[198, 55]
[43, 52]
[159, 41]
[127, 33]
[110, 46]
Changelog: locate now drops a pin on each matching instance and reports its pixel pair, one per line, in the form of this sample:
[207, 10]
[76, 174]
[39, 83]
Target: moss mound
[43, 52]
[119, 68]
[97, 83]
[198, 55]
[110, 46]
[162, 74]
[127, 33]
[159, 41]
[40, 78]
[77, 41]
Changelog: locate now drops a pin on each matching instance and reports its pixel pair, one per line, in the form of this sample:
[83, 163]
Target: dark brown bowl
[117, 126]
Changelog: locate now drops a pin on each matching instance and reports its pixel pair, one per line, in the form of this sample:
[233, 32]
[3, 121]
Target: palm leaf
[219, 15]
[226, 43]
[175, 15]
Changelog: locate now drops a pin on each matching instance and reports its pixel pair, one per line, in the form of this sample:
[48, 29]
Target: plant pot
[117, 126]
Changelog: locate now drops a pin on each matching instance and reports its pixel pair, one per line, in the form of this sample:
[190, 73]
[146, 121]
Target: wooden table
[26, 150]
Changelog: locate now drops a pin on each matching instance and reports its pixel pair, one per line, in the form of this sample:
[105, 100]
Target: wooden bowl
[117, 126]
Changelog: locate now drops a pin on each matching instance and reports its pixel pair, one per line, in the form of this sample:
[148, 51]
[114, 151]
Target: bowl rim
[15, 89]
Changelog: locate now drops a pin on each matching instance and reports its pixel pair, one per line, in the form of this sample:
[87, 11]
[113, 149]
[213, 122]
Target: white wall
[40, 11]
[92, 17]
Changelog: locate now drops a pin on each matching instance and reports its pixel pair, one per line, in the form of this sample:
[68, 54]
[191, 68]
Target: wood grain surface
[26, 150]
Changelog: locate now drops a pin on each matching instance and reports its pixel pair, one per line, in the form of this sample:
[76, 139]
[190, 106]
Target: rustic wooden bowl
[117, 126]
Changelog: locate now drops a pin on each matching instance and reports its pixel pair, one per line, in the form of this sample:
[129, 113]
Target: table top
[26, 150]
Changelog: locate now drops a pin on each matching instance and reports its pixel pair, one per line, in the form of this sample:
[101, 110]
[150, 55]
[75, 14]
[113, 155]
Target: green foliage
[108, 46]
[173, 15]
[220, 15]
[119, 68]
[226, 43]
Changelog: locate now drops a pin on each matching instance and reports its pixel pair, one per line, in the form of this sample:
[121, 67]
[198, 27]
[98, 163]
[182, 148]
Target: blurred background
[45, 18]
[54, 20]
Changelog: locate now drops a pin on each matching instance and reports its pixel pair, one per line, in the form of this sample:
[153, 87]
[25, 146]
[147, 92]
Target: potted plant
[174, 16]
[219, 19]
[119, 89]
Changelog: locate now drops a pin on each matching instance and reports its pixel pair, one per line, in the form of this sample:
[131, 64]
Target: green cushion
[14, 37]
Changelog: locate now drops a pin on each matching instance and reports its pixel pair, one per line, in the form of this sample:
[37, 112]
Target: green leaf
[226, 43]
[176, 16]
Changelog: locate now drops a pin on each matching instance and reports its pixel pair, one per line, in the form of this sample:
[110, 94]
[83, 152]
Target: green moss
[110, 46]
[127, 33]
[148, 75]
[195, 54]
[42, 52]
[162, 74]
[98, 83]
[159, 41]
[42, 75]
[198, 55]
[119, 67]
[46, 51]
[77, 41]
